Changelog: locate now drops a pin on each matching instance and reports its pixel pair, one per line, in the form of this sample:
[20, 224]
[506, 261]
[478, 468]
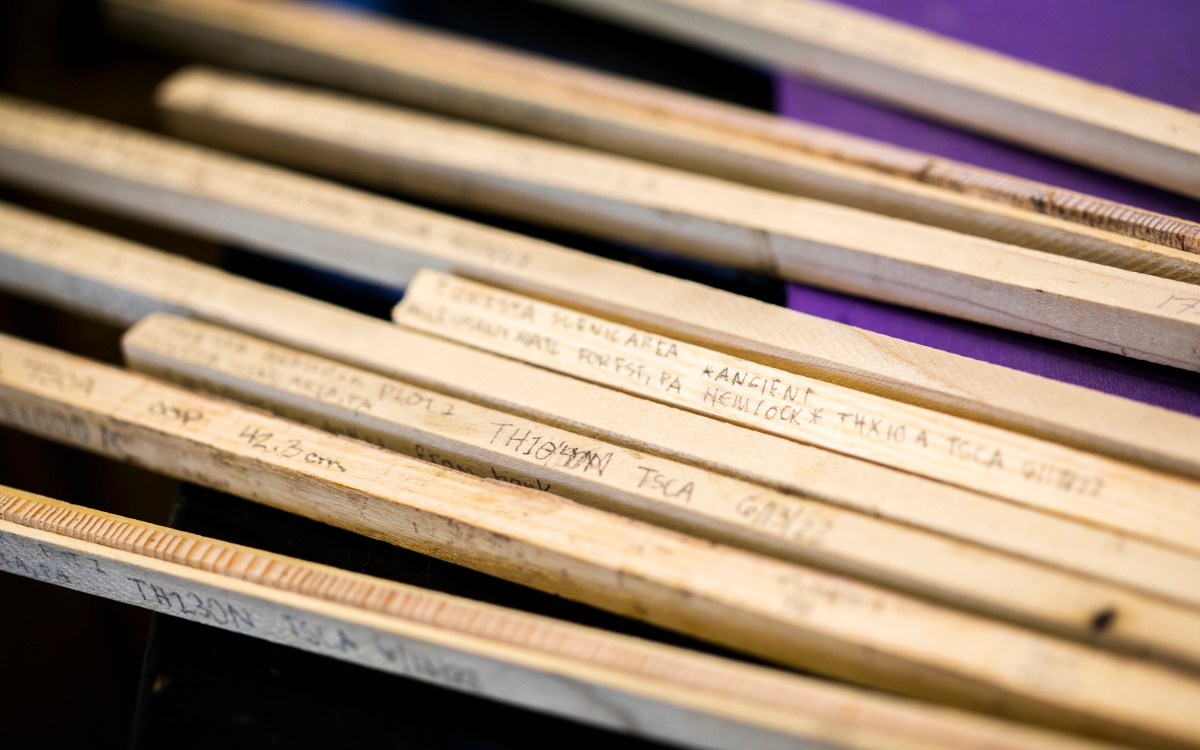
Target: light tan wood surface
[643, 693]
[330, 226]
[633, 686]
[488, 443]
[713, 220]
[102, 276]
[923, 72]
[1041, 474]
[383, 57]
[781, 611]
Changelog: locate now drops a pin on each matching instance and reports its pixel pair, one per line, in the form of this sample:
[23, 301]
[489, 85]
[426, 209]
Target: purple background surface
[1148, 48]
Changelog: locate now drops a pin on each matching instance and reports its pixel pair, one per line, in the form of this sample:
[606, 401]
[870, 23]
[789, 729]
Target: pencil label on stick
[782, 611]
[174, 595]
[236, 449]
[1181, 305]
[454, 433]
[972, 455]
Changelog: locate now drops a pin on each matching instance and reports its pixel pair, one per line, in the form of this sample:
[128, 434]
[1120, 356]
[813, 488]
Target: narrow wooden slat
[593, 676]
[938, 77]
[488, 443]
[101, 275]
[383, 57]
[781, 611]
[1037, 473]
[618, 198]
[333, 227]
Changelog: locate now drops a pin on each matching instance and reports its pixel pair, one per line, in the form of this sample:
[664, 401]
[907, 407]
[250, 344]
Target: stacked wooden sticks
[818, 496]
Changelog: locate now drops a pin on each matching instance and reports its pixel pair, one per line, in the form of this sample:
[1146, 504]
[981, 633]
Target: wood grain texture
[460, 435]
[1043, 475]
[941, 78]
[781, 611]
[330, 226]
[629, 685]
[386, 58]
[700, 217]
[100, 275]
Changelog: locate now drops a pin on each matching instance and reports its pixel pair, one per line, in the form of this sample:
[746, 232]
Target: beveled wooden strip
[1044, 475]
[629, 685]
[780, 611]
[631, 201]
[939, 77]
[461, 435]
[100, 275]
[386, 58]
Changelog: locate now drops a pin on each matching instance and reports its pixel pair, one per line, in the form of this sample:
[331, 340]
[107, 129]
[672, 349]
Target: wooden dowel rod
[488, 443]
[386, 58]
[923, 72]
[618, 198]
[629, 685]
[101, 275]
[317, 222]
[780, 611]
[1037, 473]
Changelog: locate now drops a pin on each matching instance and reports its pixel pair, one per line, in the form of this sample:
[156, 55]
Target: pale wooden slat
[632, 201]
[460, 435]
[1043, 475]
[778, 610]
[621, 683]
[384, 57]
[101, 275]
[333, 227]
[938, 77]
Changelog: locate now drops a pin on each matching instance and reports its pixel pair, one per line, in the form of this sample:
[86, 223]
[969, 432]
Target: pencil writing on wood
[334, 227]
[102, 276]
[630, 685]
[488, 443]
[781, 611]
[1088, 488]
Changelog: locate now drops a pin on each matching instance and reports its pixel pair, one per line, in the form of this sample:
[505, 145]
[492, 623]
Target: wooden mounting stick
[385, 58]
[100, 275]
[614, 197]
[931, 75]
[629, 685]
[1041, 474]
[489, 443]
[352, 232]
[780, 611]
